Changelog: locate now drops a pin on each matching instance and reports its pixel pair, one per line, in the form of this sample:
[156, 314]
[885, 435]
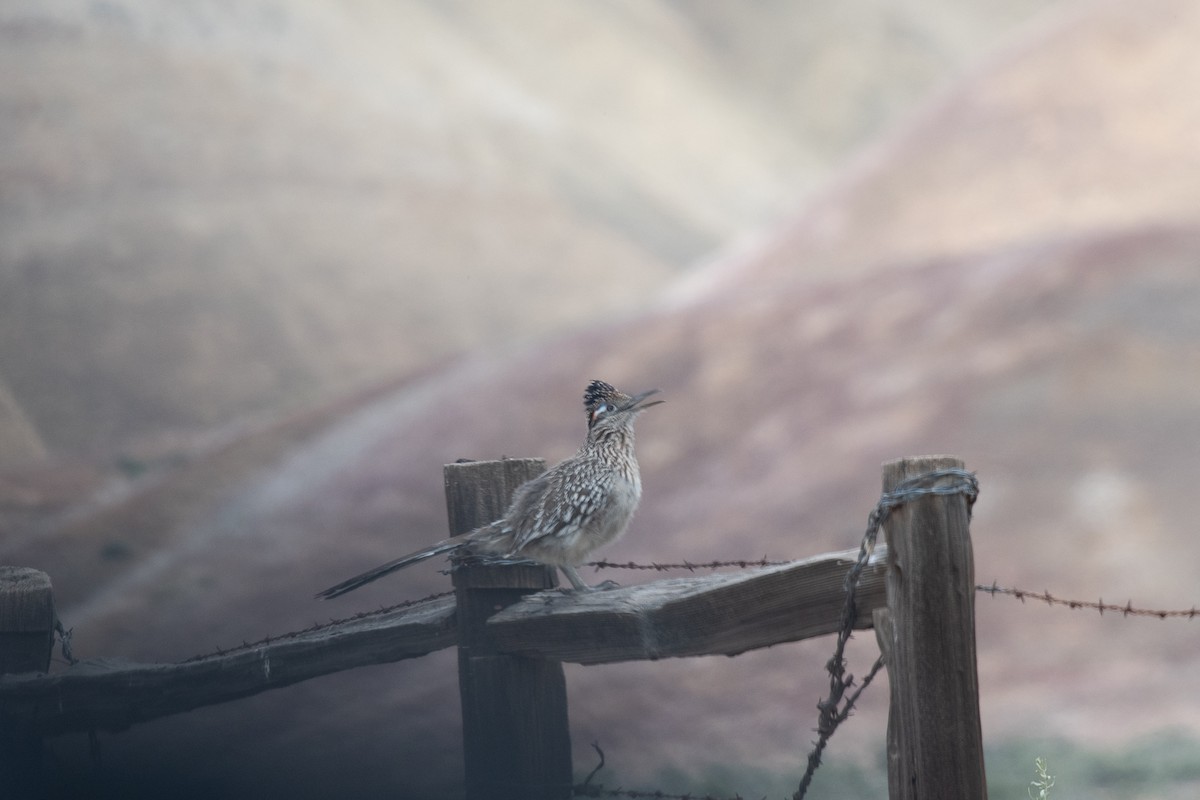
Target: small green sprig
[1042, 783]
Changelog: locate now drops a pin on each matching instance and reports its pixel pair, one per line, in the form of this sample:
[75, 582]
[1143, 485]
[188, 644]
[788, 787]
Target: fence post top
[924, 463]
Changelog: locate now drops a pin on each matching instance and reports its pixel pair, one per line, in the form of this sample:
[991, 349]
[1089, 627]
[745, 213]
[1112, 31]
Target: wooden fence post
[516, 741]
[26, 638]
[935, 742]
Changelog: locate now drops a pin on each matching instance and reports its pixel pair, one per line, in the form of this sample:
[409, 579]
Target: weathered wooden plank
[516, 740]
[722, 614]
[935, 733]
[108, 694]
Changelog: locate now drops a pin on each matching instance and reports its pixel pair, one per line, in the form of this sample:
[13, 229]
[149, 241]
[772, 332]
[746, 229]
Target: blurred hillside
[1009, 275]
[215, 209]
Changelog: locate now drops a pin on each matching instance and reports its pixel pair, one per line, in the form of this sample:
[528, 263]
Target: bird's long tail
[351, 584]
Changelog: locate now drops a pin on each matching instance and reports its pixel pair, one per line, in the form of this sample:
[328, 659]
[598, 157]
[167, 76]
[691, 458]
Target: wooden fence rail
[732, 613]
[111, 694]
[512, 637]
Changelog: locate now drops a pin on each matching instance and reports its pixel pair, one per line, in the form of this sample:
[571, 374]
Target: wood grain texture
[936, 731]
[723, 614]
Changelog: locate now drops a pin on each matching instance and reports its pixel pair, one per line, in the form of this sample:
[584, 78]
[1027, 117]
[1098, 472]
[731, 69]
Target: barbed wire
[318, 626]
[1127, 610]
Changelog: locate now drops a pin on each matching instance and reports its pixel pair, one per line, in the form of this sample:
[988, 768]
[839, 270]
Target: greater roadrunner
[561, 516]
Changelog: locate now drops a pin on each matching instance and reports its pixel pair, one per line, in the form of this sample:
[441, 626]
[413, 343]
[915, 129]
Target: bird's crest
[601, 398]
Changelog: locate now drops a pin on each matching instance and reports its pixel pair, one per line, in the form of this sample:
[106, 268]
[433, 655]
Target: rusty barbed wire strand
[1127, 610]
[317, 626]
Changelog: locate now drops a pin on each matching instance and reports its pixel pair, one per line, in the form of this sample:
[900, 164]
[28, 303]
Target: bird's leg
[578, 583]
[574, 578]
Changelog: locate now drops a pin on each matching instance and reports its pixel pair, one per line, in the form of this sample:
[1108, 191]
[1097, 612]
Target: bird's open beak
[635, 403]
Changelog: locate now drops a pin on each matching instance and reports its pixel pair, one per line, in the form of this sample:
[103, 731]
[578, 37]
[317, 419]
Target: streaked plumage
[560, 517]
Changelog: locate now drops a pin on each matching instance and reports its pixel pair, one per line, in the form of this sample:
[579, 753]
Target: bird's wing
[550, 505]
